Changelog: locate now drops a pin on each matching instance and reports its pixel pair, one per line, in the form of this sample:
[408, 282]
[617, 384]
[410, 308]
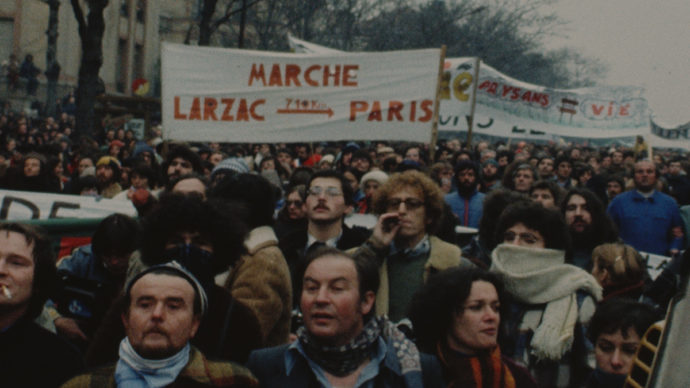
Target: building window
[141, 10]
[124, 8]
[121, 66]
[138, 70]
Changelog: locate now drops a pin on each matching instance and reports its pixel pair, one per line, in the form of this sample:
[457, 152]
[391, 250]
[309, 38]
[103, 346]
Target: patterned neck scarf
[342, 360]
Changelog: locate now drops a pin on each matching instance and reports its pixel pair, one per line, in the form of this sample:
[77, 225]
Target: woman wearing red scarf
[457, 316]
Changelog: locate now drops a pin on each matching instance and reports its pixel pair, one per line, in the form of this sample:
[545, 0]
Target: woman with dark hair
[553, 300]
[480, 247]
[616, 330]
[457, 316]
[293, 215]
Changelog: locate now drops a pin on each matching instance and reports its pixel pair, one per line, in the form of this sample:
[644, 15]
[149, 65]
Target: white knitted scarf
[538, 276]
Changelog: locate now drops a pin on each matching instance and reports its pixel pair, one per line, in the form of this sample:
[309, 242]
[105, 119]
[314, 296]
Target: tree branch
[79, 15]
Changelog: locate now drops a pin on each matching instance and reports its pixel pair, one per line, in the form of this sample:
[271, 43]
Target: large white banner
[26, 205]
[230, 95]
[507, 107]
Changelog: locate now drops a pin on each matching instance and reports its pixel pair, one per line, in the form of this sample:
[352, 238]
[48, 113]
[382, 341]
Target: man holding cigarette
[410, 207]
[30, 356]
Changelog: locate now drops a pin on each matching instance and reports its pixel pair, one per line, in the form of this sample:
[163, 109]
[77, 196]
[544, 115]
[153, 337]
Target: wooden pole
[437, 104]
[470, 121]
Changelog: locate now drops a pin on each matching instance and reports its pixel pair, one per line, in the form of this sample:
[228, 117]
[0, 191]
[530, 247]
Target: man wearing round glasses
[410, 206]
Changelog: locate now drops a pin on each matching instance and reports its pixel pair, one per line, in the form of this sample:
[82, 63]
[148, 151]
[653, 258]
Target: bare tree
[212, 17]
[89, 85]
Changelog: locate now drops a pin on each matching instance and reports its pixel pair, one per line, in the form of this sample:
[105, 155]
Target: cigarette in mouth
[6, 291]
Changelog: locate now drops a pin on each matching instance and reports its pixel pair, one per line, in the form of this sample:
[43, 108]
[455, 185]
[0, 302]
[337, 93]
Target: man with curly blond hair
[410, 206]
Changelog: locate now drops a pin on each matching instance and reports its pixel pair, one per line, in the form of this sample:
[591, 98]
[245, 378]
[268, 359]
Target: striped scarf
[486, 370]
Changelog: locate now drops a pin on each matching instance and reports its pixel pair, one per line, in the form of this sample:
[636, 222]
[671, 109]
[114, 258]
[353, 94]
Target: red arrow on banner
[328, 111]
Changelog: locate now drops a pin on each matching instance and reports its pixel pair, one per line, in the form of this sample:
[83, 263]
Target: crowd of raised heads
[378, 263]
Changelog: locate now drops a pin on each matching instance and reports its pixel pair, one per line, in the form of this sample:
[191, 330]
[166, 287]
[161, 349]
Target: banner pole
[470, 121]
[437, 104]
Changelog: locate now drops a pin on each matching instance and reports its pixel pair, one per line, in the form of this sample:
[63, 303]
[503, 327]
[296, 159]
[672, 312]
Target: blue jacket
[268, 365]
[84, 264]
[646, 224]
[476, 206]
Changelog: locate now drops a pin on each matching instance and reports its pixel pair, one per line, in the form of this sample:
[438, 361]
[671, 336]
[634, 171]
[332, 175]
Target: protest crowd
[336, 264]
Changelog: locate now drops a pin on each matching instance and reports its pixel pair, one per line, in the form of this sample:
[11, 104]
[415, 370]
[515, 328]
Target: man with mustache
[329, 199]
[588, 225]
[343, 343]
[164, 307]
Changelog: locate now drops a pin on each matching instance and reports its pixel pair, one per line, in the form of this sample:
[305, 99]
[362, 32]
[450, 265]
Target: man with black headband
[342, 343]
[164, 307]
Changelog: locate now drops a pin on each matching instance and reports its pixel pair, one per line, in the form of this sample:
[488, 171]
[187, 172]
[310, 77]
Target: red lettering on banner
[252, 109]
[357, 106]
[178, 115]
[195, 110]
[413, 111]
[286, 75]
[210, 105]
[597, 109]
[395, 110]
[228, 106]
[610, 110]
[514, 93]
[275, 79]
[307, 75]
[350, 71]
[375, 114]
[327, 74]
[428, 113]
[247, 110]
[257, 74]
[291, 74]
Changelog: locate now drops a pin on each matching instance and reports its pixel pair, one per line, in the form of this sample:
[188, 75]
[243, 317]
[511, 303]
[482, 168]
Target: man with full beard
[588, 224]
[491, 177]
[329, 199]
[466, 203]
[108, 174]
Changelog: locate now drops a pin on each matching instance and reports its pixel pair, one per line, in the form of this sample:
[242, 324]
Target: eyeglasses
[329, 191]
[410, 203]
[527, 238]
[297, 203]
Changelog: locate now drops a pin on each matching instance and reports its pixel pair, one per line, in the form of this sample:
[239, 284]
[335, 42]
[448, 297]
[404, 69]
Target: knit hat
[108, 160]
[350, 147]
[490, 161]
[234, 164]
[328, 158]
[116, 143]
[174, 268]
[37, 156]
[374, 175]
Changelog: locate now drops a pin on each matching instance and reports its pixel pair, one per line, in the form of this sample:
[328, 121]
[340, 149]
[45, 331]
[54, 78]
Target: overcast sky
[644, 42]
